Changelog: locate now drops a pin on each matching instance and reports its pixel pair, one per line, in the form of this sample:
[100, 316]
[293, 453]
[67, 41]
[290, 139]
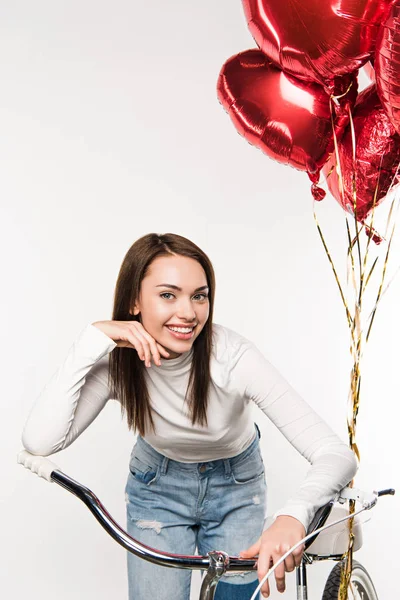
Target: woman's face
[173, 302]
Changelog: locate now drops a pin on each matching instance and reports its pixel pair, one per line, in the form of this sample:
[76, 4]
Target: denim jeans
[180, 507]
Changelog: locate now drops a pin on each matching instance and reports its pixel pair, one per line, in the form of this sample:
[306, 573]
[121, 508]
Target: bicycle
[327, 538]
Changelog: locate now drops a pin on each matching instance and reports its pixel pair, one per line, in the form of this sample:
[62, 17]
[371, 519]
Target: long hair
[126, 370]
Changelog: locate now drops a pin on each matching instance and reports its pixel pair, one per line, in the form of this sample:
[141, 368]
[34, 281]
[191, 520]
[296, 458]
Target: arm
[74, 396]
[333, 464]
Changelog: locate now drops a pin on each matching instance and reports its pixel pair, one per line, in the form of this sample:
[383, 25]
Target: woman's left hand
[275, 541]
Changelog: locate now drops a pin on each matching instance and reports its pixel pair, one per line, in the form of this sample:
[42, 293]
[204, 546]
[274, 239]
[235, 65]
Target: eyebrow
[175, 287]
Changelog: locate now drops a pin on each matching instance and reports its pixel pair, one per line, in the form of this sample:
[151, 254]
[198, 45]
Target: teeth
[181, 329]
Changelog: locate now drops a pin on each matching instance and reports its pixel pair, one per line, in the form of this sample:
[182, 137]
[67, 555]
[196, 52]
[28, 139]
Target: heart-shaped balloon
[316, 40]
[377, 158]
[289, 119]
[370, 71]
[387, 65]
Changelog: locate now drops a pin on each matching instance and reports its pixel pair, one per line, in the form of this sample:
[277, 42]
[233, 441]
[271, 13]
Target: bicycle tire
[362, 584]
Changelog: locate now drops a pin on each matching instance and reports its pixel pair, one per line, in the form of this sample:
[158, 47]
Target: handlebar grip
[40, 465]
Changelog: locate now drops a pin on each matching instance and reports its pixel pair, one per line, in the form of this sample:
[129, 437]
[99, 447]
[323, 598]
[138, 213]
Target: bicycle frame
[216, 563]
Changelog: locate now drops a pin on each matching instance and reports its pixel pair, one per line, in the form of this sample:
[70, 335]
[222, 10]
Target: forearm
[330, 471]
[73, 397]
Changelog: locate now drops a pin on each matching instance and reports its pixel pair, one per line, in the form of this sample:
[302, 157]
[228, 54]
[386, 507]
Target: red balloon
[316, 40]
[387, 66]
[370, 71]
[289, 119]
[377, 157]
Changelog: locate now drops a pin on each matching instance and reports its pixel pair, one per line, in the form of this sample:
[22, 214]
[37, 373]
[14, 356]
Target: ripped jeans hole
[155, 525]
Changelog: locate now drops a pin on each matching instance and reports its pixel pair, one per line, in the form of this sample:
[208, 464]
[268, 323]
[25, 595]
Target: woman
[196, 476]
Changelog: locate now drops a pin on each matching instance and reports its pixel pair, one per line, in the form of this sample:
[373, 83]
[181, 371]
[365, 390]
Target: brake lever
[366, 499]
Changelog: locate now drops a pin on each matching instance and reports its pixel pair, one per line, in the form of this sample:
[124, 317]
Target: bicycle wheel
[361, 587]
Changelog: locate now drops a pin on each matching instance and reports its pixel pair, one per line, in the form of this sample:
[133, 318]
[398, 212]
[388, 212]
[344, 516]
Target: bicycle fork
[301, 581]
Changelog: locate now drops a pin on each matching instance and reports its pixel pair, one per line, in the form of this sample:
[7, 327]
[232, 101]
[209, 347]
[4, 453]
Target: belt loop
[164, 465]
[227, 467]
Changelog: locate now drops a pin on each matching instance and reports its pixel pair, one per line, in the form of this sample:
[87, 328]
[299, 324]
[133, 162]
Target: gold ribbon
[359, 277]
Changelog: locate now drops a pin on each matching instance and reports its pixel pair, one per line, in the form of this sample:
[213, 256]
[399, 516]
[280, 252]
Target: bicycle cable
[305, 539]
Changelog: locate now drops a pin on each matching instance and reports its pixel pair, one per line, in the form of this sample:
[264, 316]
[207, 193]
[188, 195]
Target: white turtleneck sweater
[240, 375]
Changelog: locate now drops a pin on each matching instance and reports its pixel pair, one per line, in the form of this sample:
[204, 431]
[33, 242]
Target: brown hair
[126, 371]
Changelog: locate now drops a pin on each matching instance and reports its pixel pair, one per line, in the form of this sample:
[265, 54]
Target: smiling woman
[196, 476]
[141, 294]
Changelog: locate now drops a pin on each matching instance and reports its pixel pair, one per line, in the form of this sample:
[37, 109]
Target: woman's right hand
[132, 334]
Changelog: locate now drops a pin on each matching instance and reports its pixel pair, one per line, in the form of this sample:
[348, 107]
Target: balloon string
[367, 279]
[358, 281]
[379, 295]
[354, 194]
[348, 314]
[354, 326]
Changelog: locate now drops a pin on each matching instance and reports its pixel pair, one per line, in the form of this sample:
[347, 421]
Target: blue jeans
[178, 507]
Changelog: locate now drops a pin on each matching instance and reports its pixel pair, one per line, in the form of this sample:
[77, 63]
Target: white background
[110, 129]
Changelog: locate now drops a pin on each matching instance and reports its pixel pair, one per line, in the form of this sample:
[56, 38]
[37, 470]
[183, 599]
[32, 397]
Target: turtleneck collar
[174, 364]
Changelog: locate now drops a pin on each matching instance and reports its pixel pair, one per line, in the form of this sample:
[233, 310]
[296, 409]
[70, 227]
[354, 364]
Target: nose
[186, 311]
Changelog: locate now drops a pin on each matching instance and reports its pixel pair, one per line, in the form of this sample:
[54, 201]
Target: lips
[181, 333]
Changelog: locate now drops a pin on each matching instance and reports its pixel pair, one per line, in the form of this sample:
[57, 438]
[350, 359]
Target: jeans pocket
[249, 469]
[143, 472]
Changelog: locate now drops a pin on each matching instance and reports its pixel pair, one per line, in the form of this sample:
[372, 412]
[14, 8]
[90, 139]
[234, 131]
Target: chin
[179, 347]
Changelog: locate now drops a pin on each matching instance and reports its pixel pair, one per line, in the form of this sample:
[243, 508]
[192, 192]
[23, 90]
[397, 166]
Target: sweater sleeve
[333, 464]
[73, 397]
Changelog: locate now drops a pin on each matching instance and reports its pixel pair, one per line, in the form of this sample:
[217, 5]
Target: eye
[200, 297]
[165, 294]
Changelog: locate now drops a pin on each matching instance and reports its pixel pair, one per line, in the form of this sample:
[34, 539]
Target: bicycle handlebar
[48, 470]
[43, 467]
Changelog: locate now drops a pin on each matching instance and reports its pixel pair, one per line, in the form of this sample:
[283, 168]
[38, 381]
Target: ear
[135, 310]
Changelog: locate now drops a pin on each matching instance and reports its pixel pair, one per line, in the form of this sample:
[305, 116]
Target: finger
[263, 565]
[162, 350]
[153, 348]
[289, 563]
[135, 343]
[252, 551]
[145, 346]
[289, 560]
[265, 589]
[298, 555]
[147, 353]
[279, 571]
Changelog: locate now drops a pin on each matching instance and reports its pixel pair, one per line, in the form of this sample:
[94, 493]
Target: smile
[182, 333]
